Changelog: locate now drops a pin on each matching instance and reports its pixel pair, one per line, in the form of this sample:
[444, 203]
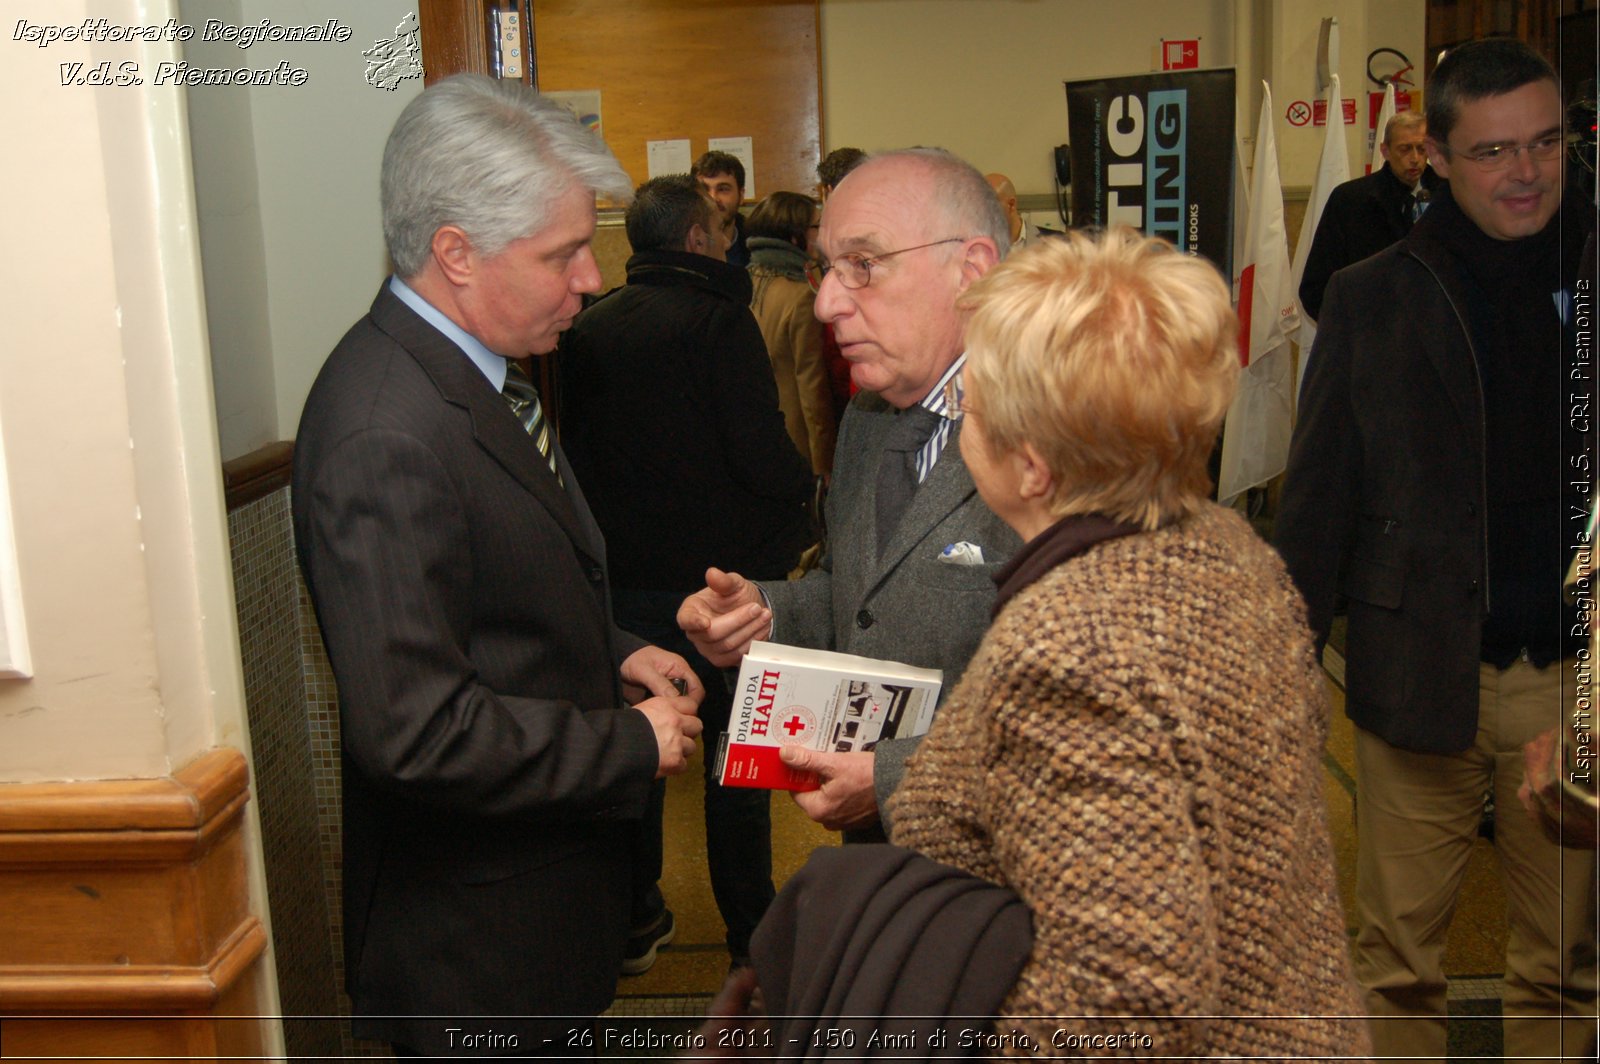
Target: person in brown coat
[782, 234]
[1136, 747]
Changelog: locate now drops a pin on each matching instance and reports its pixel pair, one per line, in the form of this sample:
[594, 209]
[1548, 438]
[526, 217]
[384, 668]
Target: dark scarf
[1522, 352]
[1067, 538]
[770, 255]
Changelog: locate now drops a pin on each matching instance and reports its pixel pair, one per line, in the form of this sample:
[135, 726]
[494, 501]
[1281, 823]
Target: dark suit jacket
[491, 786]
[1360, 219]
[1385, 502]
[905, 605]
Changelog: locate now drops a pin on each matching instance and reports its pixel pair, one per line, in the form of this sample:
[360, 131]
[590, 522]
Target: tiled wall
[294, 738]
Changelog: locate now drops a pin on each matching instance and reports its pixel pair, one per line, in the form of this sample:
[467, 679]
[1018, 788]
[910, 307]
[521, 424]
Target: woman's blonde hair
[1116, 357]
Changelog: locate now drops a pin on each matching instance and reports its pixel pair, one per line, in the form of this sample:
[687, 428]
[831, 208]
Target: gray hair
[490, 156]
[1401, 121]
[962, 195]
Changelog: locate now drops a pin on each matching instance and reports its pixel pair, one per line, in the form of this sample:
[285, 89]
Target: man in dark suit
[1440, 456]
[492, 775]
[1364, 216]
[912, 547]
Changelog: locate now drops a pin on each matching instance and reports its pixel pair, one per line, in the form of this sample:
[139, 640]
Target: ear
[1034, 479]
[1437, 158]
[694, 241]
[1383, 150]
[978, 257]
[454, 254]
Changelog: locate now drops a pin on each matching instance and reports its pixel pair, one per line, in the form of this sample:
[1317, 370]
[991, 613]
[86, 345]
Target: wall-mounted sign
[1180, 55]
[1155, 152]
[1319, 112]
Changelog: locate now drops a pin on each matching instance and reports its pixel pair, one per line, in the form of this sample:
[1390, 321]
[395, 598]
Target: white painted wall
[1364, 25]
[287, 182]
[110, 432]
[983, 77]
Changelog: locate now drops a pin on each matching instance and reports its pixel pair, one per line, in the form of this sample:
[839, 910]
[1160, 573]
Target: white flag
[1255, 438]
[1385, 113]
[1333, 169]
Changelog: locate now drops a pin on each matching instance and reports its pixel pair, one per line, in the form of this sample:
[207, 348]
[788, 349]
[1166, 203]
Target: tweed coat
[1136, 751]
[491, 780]
[907, 604]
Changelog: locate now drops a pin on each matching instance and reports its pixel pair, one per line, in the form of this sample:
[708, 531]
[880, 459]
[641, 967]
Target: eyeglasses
[1501, 156]
[854, 269]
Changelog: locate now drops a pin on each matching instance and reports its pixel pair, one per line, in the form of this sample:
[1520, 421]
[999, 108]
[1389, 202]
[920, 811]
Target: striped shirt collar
[934, 402]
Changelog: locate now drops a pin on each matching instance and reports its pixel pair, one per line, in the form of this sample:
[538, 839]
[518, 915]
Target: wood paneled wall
[667, 70]
[125, 926]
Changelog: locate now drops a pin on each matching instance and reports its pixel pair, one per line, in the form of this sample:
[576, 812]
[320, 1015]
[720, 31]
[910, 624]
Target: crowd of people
[779, 426]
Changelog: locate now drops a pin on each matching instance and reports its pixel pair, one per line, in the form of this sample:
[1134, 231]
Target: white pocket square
[962, 553]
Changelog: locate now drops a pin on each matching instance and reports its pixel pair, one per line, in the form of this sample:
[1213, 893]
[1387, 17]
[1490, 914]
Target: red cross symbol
[794, 726]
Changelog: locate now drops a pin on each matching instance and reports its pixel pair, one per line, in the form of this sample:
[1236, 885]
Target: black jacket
[670, 417]
[1385, 503]
[1361, 218]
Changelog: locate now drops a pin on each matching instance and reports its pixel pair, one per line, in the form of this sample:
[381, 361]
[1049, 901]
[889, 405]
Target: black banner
[1155, 152]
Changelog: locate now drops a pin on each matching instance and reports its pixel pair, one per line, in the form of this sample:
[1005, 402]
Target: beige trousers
[1416, 819]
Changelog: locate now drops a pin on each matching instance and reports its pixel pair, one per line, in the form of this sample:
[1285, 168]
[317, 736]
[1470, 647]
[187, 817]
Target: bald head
[927, 226]
[1006, 193]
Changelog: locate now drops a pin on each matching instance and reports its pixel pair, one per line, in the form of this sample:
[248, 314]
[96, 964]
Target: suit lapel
[494, 427]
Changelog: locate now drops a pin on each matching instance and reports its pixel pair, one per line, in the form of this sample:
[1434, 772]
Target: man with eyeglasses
[1441, 446]
[1366, 215]
[912, 548]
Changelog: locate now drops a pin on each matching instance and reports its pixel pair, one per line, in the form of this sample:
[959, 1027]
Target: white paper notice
[667, 157]
[739, 148]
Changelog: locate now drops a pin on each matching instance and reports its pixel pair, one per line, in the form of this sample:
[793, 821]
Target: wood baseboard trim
[127, 897]
[150, 821]
[147, 989]
[257, 474]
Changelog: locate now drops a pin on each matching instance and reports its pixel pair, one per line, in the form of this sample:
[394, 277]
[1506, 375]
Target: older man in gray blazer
[912, 550]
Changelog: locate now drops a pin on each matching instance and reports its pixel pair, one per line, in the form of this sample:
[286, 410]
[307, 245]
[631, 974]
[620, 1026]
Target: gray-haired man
[493, 777]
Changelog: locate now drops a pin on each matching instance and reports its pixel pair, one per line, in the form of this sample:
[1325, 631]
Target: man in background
[1366, 215]
[1430, 475]
[1022, 231]
[671, 420]
[912, 550]
[833, 167]
[722, 176]
[493, 776]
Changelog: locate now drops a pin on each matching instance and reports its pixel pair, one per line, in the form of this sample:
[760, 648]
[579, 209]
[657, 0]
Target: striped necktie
[523, 399]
